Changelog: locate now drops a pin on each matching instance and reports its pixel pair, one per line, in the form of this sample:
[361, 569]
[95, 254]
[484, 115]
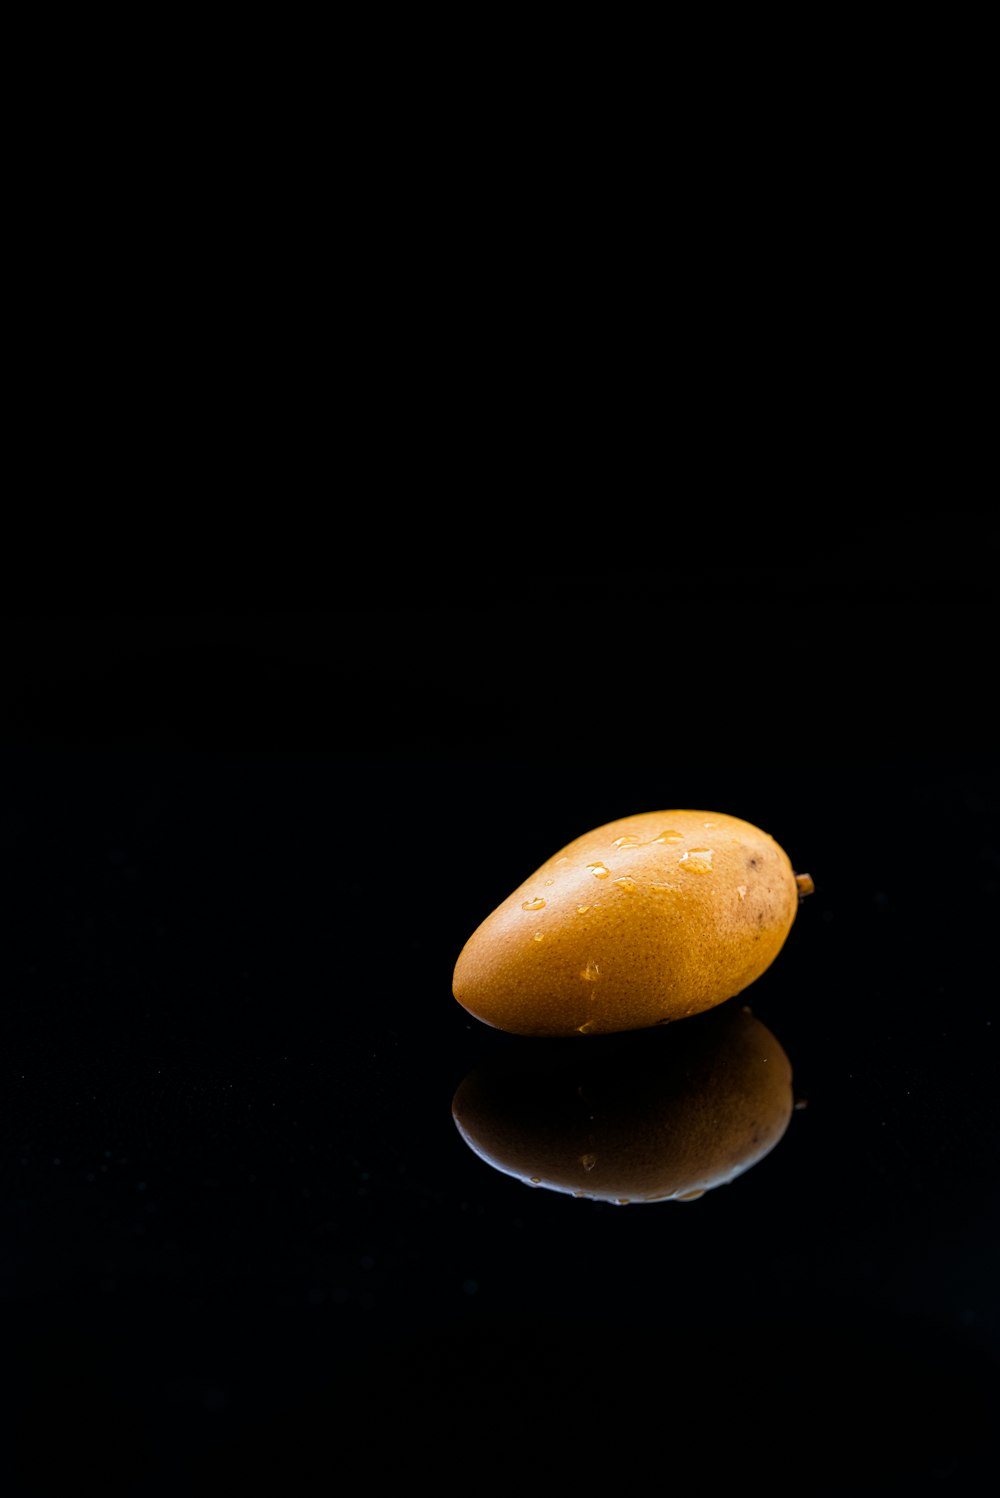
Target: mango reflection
[648, 1116]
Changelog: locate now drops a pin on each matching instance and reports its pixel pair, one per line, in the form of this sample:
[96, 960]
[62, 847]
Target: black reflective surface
[251, 1235]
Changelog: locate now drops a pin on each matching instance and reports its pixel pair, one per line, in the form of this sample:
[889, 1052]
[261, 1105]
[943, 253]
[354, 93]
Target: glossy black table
[246, 1243]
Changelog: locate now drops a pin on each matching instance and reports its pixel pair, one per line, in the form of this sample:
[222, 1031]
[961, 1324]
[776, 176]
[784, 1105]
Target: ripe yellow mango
[641, 921]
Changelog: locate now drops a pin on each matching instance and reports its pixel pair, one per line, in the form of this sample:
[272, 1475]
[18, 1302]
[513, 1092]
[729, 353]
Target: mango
[640, 922]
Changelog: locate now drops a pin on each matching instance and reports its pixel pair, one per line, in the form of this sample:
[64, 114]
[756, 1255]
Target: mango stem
[804, 885]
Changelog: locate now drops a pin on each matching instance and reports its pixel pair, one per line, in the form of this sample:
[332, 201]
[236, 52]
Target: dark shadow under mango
[660, 1115]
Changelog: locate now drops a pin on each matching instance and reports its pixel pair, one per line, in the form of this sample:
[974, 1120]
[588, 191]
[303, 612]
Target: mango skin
[632, 1118]
[639, 922]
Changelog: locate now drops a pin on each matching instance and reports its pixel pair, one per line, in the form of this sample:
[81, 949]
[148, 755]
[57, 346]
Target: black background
[242, 1239]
